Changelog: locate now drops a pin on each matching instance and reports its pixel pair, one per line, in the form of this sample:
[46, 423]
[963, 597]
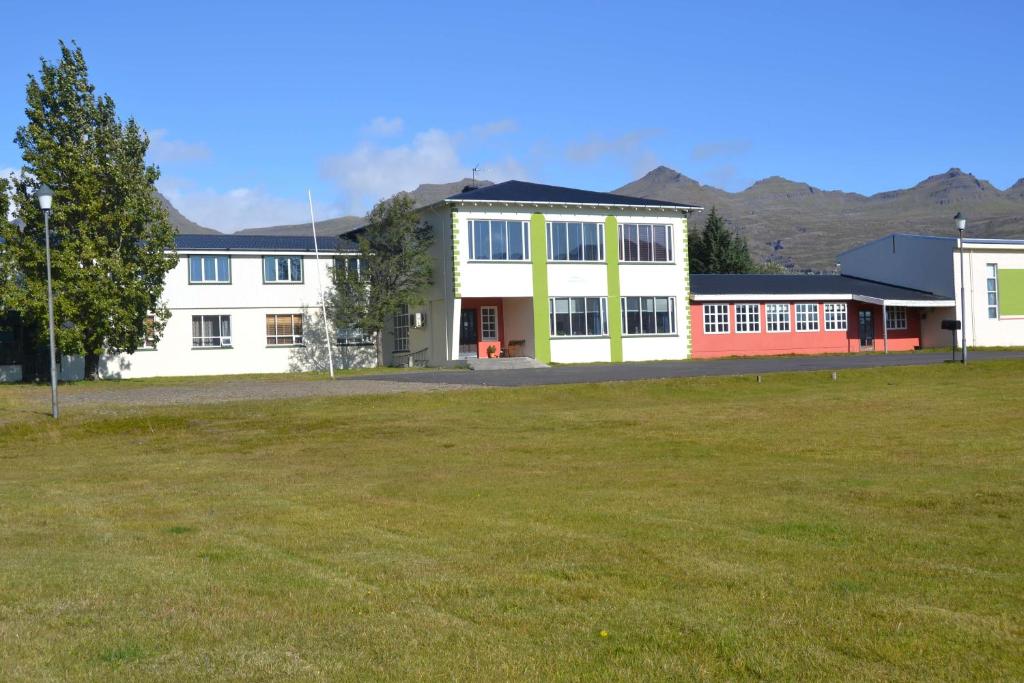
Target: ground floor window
[148, 333]
[578, 316]
[807, 318]
[402, 329]
[489, 323]
[748, 318]
[649, 314]
[835, 316]
[353, 336]
[716, 318]
[776, 317]
[211, 331]
[896, 318]
[992, 287]
[284, 330]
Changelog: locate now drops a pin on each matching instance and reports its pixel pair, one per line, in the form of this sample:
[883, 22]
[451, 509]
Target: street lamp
[44, 195]
[961, 224]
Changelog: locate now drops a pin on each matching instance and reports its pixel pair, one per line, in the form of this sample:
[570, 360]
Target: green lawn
[865, 529]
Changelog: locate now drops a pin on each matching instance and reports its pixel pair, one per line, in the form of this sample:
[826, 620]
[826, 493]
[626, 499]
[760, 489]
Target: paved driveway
[576, 374]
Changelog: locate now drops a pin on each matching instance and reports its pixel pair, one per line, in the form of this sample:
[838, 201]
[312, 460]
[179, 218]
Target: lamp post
[44, 195]
[961, 225]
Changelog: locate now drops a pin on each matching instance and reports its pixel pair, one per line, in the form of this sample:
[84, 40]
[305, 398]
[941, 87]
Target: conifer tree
[716, 249]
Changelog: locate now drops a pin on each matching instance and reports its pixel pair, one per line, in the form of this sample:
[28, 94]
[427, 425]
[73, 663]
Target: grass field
[865, 529]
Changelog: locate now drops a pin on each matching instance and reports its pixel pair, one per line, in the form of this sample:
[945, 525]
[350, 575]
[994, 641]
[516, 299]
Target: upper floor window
[282, 269]
[835, 317]
[807, 318]
[648, 314]
[776, 317]
[499, 240]
[716, 318]
[578, 316]
[351, 264]
[992, 286]
[896, 318]
[205, 269]
[748, 317]
[575, 241]
[640, 243]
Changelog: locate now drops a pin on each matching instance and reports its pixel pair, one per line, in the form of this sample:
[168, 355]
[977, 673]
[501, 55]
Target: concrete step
[503, 363]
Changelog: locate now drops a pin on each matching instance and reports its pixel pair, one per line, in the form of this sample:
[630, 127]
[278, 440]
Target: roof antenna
[476, 169]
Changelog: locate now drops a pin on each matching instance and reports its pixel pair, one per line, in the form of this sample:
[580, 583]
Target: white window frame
[807, 314]
[714, 322]
[896, 318]
[216, 259]
[670, 303]
[589, 304]
[286, 339]
[524, 226]
[289, 260]
[992, 290]
[745, 324]
[223, 341]
[353, 336]
[583, 243]
[836, 317]
[148, 342]
[492, 313]
[624, 229]
[778, 316]
[401, 325]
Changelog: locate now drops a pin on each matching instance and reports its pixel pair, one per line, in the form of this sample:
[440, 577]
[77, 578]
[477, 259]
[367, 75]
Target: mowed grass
[865, 529]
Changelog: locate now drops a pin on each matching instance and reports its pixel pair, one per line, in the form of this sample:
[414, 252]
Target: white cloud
[241, 207]
[384, 127]
[162, 150]
[630, 148]
[725, 148]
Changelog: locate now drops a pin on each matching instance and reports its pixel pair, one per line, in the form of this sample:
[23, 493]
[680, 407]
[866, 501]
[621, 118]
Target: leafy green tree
[111, 234]
[396, 269]
[716, 249]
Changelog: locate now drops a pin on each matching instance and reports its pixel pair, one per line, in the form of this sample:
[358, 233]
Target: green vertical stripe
[611, 251]
[539, 258]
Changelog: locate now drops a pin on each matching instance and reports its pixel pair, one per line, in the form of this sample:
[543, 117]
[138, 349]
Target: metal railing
[411, 359]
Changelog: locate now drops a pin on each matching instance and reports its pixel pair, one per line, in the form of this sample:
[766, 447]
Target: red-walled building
[765, 315]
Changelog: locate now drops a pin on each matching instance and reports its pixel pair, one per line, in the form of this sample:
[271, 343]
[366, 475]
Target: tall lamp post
[44, 195]
[961, 225]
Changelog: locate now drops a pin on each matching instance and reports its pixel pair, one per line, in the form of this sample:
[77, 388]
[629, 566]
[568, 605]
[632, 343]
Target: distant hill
[804, 227]
[183, 225]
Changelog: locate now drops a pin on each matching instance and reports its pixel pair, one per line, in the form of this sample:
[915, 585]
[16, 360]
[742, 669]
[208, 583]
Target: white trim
[771, 297]
[513, 202]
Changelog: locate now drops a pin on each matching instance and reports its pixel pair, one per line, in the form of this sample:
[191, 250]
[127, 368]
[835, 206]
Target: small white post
[320, 286]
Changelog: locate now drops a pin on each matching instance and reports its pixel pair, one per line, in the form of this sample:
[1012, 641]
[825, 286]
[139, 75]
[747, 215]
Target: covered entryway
[496, 327]
[866, 329]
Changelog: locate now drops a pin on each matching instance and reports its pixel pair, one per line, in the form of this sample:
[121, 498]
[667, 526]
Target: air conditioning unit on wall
[418, 320]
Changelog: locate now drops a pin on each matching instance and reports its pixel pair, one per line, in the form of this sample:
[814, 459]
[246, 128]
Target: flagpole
[320, 286]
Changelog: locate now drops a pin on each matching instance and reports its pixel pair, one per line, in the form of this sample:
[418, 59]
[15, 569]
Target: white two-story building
[553, 273]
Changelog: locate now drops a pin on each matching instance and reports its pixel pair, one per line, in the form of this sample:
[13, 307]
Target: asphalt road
[624, 372]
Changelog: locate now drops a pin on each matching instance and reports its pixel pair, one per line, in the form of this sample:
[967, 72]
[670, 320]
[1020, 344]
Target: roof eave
[520, 202]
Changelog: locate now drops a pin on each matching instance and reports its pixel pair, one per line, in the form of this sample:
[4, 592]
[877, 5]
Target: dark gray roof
[262, 243]
[519, 191]
[747, 285]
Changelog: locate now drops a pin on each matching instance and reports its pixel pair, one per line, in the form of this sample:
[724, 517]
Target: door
[866, 326]
[467, 333]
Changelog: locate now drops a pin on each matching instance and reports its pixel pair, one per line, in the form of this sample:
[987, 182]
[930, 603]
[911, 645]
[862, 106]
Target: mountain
[805, 227]
[183, 225]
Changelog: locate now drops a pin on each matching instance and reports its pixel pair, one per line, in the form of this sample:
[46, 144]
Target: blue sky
[250, 103]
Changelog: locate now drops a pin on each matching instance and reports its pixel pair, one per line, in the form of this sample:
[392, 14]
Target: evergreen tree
[396, 268]
[110, 233]
[719, 250]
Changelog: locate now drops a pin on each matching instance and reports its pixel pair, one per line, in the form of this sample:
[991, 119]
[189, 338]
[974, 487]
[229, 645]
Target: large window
[835, 317]
[346, 264]
[211, 331]
[776, 317]
[640, 243]
[575, 242]
[896, 318]
[716, 318]
[402, 329]
[578, 316]
[748, 318]
[499, 240]
[209, 269]
[353, 336]
[807, 318]
[280, 269]
[284, 330]
[649, 314]
[992, 286]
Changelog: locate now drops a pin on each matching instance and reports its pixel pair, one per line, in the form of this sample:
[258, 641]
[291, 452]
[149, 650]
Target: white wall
[581, 350]
[982, 330]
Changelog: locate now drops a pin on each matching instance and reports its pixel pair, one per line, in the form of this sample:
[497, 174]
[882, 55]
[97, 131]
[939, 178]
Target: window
[353, 336]
[896, 318]
[149, 333]
[992, 286]
[499, 240]
[578, 316]
[284, 330]
[575, 242]
[835, 316]
[346, 264]
[282, 269]
[488, 323]
[649, 314]
[748, 318]
[211, 331]
[716, 318]
[639, 243]
[402, 329]
[807, 317]
[206, 269]
[776, 317]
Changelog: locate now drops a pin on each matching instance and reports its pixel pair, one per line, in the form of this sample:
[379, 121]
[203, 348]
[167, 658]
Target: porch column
[885, 327]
